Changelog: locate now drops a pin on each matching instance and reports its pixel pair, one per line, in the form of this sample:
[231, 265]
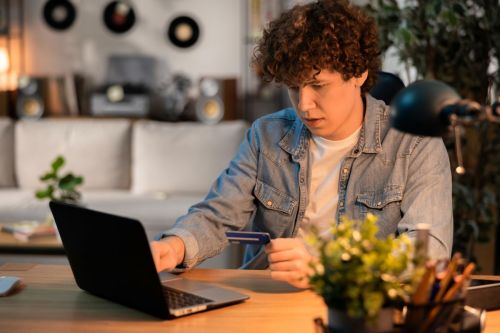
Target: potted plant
[59, 187]
[360, 276]
[457, 42]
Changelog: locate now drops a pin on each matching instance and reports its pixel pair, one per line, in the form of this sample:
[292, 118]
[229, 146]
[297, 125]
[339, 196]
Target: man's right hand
[167, 253]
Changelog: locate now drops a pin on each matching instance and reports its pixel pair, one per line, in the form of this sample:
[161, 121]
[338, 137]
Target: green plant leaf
[48, 176]
[437, 7]
[459, 9]
[69, 182]
[48, 193]
[58, 163]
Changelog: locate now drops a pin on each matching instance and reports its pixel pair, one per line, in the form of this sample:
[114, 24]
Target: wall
[87, 44]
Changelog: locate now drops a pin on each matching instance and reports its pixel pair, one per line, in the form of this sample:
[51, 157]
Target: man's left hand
[289, 261]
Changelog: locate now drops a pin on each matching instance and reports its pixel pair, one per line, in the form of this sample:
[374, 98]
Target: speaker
[30, 103]
[217, 100]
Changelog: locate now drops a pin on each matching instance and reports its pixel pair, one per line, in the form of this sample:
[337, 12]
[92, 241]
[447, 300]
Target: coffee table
[39, 245]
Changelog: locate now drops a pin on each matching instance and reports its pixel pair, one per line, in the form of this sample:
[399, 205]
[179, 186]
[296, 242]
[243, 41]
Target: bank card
[248, 237]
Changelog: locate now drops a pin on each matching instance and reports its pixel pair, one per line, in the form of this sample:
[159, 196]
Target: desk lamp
[430, 107]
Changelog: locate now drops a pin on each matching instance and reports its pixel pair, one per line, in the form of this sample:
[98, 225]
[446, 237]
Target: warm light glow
[4, 60]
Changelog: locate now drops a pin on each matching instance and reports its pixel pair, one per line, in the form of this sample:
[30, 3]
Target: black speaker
[217, 100]
[30, 102]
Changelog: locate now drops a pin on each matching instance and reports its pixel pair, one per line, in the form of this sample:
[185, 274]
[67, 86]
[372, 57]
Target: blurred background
[176, 60]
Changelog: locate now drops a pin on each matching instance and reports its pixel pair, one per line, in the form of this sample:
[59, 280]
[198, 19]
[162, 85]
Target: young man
[334, 153]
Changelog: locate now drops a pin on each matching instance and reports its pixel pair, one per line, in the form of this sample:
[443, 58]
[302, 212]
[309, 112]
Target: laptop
[110, 257]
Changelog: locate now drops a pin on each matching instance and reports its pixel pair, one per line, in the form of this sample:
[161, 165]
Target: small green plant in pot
[60, 187]
[361, 276]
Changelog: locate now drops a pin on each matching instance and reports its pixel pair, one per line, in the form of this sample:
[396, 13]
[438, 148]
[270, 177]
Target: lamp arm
[467, 112]
[463, 112]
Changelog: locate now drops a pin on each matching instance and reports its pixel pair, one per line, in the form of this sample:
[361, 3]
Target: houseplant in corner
[457, 42]
[360, 276]
[59, 187]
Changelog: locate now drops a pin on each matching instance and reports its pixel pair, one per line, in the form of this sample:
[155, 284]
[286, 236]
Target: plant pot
[340, 322]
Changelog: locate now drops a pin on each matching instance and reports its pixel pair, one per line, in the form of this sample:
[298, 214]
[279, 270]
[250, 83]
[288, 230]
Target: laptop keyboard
[181, 299]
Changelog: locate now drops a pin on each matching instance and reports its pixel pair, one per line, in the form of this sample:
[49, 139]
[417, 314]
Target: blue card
[248, 237]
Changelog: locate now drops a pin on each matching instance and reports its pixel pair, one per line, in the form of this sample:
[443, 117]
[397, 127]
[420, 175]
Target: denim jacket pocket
[385, 204]
[381, 198]
[274, 199]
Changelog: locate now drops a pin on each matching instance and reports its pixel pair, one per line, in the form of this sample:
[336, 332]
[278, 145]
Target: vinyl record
[183, 31]
[119, 16]
[59, 14]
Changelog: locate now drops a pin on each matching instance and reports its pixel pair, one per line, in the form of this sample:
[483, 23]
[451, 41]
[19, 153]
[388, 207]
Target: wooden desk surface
[51, 302]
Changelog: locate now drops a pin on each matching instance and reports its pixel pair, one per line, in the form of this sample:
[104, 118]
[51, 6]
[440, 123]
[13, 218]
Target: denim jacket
[401, 178]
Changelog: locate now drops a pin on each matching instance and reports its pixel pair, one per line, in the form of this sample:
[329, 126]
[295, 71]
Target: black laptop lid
[110, 257]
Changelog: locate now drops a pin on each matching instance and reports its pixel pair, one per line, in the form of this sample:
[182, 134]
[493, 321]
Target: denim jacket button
[341, 204]
[302, 180]
[269, 203]
[379, 203]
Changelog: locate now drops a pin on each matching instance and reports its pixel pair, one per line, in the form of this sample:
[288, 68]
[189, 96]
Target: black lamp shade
[387, 86]
[418, 109]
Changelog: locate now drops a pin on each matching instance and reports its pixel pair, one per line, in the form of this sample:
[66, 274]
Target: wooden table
[51, 302]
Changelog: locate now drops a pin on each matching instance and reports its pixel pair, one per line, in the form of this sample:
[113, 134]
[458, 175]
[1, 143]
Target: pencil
[421, 295]
[450, 272]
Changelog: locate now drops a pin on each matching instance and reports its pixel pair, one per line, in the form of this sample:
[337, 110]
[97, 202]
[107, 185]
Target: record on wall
[59, 14]
[183, 31]
[119, 16]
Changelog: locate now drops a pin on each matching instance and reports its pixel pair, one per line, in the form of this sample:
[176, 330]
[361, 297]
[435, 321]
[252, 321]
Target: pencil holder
[441, 317]
[431, 317]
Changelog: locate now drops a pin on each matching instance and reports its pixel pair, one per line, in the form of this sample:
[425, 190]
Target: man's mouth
[312, 122]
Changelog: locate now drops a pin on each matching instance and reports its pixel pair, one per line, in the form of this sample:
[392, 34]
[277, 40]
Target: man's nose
[306, 100]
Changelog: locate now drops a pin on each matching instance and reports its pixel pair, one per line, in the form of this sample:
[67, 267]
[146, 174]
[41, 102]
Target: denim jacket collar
[296, 140]
[375, 126]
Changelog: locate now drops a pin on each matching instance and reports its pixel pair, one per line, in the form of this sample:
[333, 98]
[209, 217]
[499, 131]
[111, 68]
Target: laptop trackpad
[218, 295]
[186, 285]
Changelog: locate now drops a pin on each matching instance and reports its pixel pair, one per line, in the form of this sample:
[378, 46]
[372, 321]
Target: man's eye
[317, 85]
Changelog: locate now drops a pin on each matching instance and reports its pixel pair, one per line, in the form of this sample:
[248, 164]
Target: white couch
[149, 170]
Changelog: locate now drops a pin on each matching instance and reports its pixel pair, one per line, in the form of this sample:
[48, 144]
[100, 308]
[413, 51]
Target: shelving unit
[260, 98]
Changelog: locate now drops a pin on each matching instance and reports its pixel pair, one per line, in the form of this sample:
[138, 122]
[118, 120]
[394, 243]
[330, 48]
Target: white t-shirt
[325, 159]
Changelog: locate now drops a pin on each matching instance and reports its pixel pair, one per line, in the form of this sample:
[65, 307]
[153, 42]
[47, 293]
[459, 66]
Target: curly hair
[325, 35]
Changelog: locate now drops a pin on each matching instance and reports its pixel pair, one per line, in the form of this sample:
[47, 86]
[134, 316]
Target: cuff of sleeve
[191, 248]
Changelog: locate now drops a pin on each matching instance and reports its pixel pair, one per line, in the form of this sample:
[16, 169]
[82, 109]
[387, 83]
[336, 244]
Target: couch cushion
[97, 149]
[181, 157]
[7, 178]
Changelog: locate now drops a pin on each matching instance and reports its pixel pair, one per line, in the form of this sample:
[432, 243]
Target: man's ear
[359, 81]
